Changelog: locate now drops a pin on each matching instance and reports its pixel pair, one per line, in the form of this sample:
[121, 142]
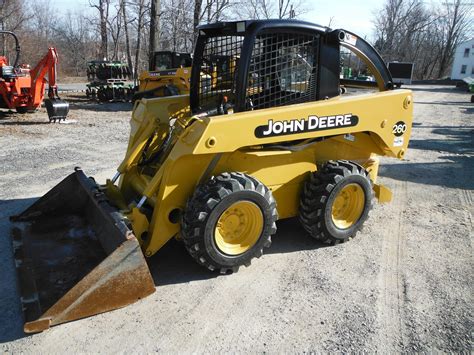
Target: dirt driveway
[404, 284]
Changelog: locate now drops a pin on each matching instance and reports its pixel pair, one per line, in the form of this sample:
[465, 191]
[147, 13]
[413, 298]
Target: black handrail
[17, 43]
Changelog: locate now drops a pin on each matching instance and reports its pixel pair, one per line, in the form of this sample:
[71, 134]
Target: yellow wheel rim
[348, 206]
[239, 227]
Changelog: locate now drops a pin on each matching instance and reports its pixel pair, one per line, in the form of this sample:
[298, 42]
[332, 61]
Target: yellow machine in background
[217, 168]
[171, 76]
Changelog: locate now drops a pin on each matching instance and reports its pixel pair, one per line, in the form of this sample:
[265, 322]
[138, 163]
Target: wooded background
[404, 30]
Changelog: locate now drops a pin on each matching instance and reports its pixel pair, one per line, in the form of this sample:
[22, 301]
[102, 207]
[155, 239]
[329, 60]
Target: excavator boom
[57, 108]
[23, 89]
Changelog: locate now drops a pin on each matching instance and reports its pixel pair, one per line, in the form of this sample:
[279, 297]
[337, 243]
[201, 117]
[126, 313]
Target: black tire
[102, 94]
[206, 206]
[319, 194]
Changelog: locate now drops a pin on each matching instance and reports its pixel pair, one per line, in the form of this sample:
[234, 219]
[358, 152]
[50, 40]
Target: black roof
[236, 26]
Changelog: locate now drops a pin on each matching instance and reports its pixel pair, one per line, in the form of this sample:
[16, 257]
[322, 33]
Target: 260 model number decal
[399, 128]
[313, 123]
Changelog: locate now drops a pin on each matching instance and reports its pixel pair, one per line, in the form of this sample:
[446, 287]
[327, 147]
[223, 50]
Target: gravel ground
[404, 284]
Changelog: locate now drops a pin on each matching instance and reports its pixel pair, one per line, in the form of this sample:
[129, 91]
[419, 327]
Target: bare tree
[115, 24]
[267, 9]
[196, 18]
[74, 37]
[13, 16]
[121, 29]
[260, 9]
[396, 24]
[123, 9]
[215, 9]
[408, 30]
[454, 25]
[103, 7]
[36, 33]
[140, 12]
[178, 25]
[155, 13]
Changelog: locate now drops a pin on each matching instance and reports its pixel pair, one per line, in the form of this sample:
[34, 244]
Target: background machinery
[402, 73]
[108, 81]
[469, 84]
[22, 88]
[169, 74]
[217, 168]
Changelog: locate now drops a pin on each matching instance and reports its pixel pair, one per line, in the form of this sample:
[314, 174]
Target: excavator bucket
[57, 109]
[75, 256]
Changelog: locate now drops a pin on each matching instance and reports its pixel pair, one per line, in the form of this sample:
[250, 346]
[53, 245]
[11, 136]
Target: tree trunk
[154, 31]
[127, 38]
[103, 11]
[139, 37]
[197, 17]
[446, 54]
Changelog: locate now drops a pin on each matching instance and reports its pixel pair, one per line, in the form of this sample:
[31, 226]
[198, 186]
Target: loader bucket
[75, 256]
[57, 109]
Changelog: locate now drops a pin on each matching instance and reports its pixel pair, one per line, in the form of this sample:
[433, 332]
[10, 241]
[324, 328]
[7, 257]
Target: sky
[352, 15]
[355, 16]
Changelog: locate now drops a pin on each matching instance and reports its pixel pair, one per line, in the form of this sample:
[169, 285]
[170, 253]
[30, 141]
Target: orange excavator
[23, 89]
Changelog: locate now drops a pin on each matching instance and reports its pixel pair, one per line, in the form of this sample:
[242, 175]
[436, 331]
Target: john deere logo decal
[163, 73]
[313, 123]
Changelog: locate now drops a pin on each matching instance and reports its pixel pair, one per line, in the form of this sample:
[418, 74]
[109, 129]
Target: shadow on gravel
[102, 107]
[292, 237]
[444, 89]
[173, 265]
[458, 140]
[11, 318]
[468, 110]
[10, 118]
[7, 115]
[456, 173]
[23, 123]
[420, 125]
[77, 97]
[447, 103]
[81, 102]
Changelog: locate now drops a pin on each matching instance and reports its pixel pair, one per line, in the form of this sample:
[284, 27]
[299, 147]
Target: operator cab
[258, 64]
[164, 60]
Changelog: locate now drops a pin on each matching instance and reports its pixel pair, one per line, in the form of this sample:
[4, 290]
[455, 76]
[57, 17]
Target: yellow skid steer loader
[170, 75]
[217, 168]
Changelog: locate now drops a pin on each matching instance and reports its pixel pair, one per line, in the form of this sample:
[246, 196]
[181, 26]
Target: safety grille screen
[219, 71]
[282, 70]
